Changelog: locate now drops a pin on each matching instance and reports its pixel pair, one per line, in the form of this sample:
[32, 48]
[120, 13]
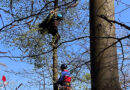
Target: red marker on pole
[3, 78]
[4, 81]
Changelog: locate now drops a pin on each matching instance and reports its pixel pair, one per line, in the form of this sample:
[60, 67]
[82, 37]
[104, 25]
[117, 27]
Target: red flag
[3, 78]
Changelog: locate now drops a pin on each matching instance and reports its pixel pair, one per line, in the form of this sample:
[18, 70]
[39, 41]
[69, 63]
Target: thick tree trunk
[104, 66]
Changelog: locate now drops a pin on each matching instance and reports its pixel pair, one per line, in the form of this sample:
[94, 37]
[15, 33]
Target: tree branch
[113, 21]
[118, 39]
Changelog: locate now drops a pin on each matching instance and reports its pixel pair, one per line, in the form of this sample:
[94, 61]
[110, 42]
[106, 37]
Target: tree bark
[104, 64]
[55, 58]
[55, 64]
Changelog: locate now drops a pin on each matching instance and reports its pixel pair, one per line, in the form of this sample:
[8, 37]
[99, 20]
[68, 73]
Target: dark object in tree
[49, 25]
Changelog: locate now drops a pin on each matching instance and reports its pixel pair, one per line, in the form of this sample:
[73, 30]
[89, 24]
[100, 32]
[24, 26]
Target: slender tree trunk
[104, 66]
[55, 64]
[55, 58]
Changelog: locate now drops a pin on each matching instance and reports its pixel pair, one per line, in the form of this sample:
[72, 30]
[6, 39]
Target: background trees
[20, 24]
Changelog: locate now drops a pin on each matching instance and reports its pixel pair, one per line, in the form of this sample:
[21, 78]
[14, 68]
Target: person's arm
[60, 80]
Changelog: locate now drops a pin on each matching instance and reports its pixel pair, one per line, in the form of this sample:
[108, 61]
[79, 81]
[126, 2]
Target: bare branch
[19, 86]
[118, 39]
[2, 19]
[113, 21]
[3, 64]
[122, 65]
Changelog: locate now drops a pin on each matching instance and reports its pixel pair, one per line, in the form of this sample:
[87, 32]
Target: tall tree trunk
[104, 66]
[55, 64]
[55, 59]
